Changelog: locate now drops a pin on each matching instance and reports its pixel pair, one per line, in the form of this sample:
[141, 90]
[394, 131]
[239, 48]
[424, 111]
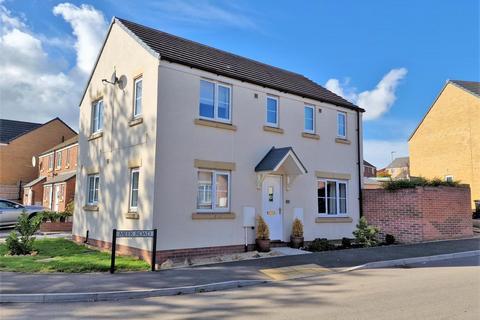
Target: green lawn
[61, 255]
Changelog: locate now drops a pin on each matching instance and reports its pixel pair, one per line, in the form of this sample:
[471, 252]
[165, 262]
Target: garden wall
[421, 213]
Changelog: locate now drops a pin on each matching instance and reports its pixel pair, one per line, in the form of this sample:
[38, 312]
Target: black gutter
[359, 163]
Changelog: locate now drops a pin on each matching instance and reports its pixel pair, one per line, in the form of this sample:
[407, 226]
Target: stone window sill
[90, 208]
[215, 124]
[273, 129]
[333, 220]
[310, 135]
[95, 135]
[342, 141]
[135, 121]
[213, 216]
[132, 215]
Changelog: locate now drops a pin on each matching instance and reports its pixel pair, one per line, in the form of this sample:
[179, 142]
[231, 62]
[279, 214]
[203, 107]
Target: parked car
[10, 211]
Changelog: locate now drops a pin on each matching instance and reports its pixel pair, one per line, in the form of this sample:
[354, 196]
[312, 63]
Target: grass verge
[61, 255]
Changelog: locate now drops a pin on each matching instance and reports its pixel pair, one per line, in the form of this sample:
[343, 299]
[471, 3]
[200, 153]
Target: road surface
[448, 289]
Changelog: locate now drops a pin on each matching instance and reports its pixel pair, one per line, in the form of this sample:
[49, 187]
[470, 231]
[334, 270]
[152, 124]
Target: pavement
[447, 289]
[232, 273]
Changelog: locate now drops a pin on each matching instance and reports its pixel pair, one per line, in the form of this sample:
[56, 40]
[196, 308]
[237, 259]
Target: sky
[390, 57]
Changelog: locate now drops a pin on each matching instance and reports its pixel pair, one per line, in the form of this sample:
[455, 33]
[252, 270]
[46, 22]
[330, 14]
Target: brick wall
[420, 214]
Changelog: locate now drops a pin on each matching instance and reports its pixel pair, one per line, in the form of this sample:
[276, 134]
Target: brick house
[55, 186]
[446, 143]
[19, 142]
[399, 168]
[369, 170]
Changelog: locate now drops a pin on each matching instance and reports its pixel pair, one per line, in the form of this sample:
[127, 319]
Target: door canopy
[282, 161]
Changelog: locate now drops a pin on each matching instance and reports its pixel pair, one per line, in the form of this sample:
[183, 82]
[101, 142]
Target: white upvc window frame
[449, 178]
[133, 171]
[214, 209]
[275, 124]
[68, 154]
[97, 123]
[216, 85]
[96, 184]
[51, 161]
[344, 115]
[58, 156]
[337, 200]
[137, 113]
[312, 107]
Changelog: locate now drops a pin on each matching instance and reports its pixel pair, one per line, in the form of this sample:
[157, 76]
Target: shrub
[346, 242]
[297, 228]
[320, 244]
[365, 235]
[417, 182]
[23, 244]
[389, 239]
[262, 229]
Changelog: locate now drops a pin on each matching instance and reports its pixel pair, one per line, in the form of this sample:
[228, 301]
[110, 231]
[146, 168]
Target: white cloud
[377, 101]
[89, 28]
[205, 12]
[378, 152]
[33, 86]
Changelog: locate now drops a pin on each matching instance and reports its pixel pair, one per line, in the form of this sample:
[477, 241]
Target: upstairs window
[137, 104]
[342, 125]
[272, 111]
[59, 159]
[215, 101]
[50, 162]
[309, 119]
[93, 184]
[97, 116]
[67, 159]
[332, 197]
[449, 178]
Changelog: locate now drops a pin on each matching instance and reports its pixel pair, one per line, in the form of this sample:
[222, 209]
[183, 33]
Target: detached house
[186, 139]
[55, 186]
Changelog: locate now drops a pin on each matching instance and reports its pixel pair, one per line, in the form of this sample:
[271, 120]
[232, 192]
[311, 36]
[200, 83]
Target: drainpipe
[360, 163]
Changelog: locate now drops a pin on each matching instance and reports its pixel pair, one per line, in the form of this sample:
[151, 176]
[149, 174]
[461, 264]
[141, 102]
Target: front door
[272, 205]
[57, 197]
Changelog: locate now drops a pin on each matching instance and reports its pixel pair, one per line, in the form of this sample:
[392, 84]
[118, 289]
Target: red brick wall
[420, 214]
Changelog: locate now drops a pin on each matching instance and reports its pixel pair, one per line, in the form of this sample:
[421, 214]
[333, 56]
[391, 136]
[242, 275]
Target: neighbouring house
[55, 186]
[189, 140]
[399, 168]
[446, 143]
[369, 170]
[20, 141]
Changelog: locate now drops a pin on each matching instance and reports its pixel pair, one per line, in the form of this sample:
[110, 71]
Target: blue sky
[355, 42]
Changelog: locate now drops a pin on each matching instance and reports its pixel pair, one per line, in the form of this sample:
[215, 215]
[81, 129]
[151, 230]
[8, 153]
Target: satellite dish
[34, 161]
[122, 82]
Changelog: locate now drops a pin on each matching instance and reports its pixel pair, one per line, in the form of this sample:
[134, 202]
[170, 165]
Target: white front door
[272, 205]
[57, 197]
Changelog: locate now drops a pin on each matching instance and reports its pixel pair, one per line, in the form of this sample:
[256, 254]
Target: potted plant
[296, 239]
[262, 236]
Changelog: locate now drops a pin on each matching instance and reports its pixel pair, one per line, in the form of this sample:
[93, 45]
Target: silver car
[10, 211]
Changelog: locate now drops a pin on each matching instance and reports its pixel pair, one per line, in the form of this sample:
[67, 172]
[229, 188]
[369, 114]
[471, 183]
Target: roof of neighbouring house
[34, 182]
[66, 143]
[471, 86]
[62, 177]
[368, 164]
[274, 157]
[401, 162]
[11, 129]
[193, 54]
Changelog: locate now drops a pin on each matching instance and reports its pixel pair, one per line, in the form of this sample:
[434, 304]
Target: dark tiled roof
[401, 162]
[34, 182]
[471, 86]
[196, 55]
[61, 177]
[11, 129]
[366, 163]
[67, 142]
[273, 158]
